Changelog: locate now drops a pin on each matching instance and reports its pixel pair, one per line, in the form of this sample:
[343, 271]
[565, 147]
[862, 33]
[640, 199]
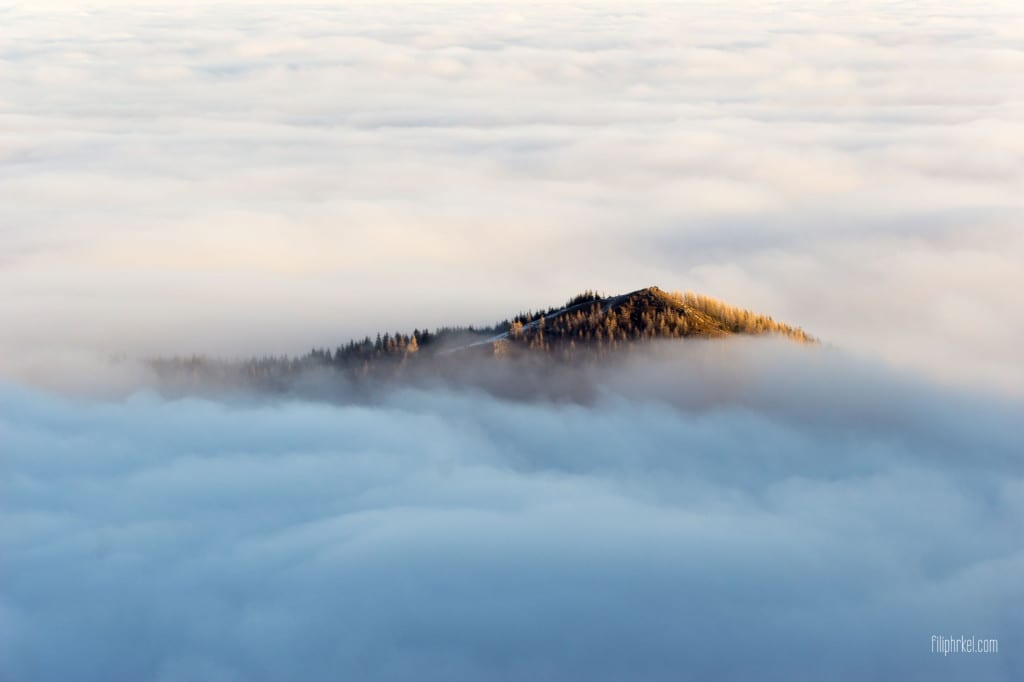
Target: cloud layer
[726, 511]
[261, 177]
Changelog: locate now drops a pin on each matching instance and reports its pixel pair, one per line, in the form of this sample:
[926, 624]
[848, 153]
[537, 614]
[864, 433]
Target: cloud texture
[250, 177]
[261, 177]
[718, 511]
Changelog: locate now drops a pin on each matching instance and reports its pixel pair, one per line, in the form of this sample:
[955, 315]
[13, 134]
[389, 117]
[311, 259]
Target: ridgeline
[588, 326]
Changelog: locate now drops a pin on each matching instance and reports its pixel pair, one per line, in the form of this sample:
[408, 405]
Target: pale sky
[238, 178]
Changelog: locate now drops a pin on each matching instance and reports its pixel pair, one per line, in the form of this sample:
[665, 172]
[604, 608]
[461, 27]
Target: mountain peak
[588, 325]
[644, 314]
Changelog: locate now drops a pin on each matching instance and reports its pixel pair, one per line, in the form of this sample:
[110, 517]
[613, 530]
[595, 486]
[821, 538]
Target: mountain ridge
[646, 313]
[589, 325]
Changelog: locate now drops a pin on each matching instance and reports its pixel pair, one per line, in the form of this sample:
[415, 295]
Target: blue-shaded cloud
[734, 511]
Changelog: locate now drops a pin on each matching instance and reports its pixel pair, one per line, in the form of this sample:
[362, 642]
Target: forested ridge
[587, 325]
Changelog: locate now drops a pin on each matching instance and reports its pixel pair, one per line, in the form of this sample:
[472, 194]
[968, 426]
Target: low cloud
[233, 178]
[727, 511]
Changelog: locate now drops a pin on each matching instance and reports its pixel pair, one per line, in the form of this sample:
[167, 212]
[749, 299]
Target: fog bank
[795, 517]
[236, 178]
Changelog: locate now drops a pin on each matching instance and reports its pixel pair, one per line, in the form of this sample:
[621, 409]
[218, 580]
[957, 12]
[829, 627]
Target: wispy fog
[261, 177]
[710, 511]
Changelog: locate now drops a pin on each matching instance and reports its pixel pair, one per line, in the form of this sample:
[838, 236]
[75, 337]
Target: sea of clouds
[716, 510]
[239, 178]
[261, 177]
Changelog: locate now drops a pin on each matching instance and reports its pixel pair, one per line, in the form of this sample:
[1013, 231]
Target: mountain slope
[644, 314]
[587, 326]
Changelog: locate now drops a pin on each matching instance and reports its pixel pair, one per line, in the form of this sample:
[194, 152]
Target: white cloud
[320, 171]
[259, 177]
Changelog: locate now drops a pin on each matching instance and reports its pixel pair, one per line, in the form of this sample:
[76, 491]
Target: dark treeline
[588, 325]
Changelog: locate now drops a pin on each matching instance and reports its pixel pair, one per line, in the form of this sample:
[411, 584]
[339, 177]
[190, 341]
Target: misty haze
[471, 341]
